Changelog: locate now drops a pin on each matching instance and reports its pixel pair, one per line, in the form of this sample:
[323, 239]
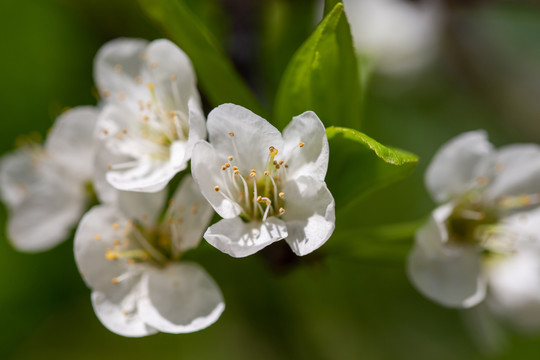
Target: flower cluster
[486, 231]
[121, 158]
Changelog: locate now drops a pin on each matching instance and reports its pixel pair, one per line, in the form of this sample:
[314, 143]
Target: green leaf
[323, 76]
[217, 77]
[358, 165]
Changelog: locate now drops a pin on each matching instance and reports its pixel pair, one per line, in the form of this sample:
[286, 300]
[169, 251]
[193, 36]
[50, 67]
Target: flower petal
[117, 64]
[252, 136]
[145, 207]
[120, 315]
[47, 215]
[206, 171]
[312, 158]
[172, 74]
[180, 298]
[95, 237]
[197, 126]
[240, 239]
[449, 274]
[453, 169]
[309, 214]
[514, 170]
[71, 141]
[515, 289]
[19, 170]
[146, 176]
[189, 215]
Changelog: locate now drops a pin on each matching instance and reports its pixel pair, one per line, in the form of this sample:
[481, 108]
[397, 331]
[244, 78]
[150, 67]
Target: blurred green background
[353, 301]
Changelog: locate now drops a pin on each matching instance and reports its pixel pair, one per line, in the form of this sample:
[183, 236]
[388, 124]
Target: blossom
[266, 186]
[152, 114]
[46, 187]
[129, 258]
[396, 35]
[486, 218]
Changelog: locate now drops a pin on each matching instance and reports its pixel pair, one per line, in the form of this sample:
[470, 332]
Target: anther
[482, 180]
[259, 198]
[110, 166]
[280, 162]
[106, 93]
[115, 226]
[266, 173]
[273, 151]
[281, 194]
[119, 135]
[236, 172]
[499, 167]
[235, 167]
[301, 144]
[118, 68]
[115, 280]
[216, 188]
[97, 237]
[116, 242]
[281, 210]
[231, 134]
[138, 80]
[223, 167]
[106, 132]
[121, 96]
[173, 77]
[286, 166]
[230, 158]
[125, 131]
[154, 64]
[150, 86]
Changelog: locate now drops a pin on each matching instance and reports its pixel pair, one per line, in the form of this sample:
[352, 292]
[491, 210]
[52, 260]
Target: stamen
[281, 211]
[281, 194]
[124, 165]
[230, 158]
[301, 144]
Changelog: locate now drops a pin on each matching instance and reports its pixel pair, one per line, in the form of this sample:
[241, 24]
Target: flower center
[259, 194]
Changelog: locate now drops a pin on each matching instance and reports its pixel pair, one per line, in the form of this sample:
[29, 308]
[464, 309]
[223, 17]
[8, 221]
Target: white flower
[398, 36]
[45, 188]
[488, 198]
[266, 186]
[128, 257]
[152, 114]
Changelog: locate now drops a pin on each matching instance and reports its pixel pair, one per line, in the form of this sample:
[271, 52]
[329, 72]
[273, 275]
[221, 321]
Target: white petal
[105, 192]
[145, 207]
[121, 316]
[47, 215]
[171, 72]
[522, 230]
[312, 158]
[117, 64]
[309, 214]
[95, 236]
[206, 170]
[514, 170]
[119, 128]
[71, 141]
[19, 170]
[189, 215]
[449, 274]
[146, 176]
[453, 169]
[240, 239]
[515, 289]
[197, 126]
[180, 298]
[252, 136]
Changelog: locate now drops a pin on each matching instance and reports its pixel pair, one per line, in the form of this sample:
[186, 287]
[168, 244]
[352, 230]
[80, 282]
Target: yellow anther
[154, 64]
[146, 118]
[118, 68]
[280, 162]
[138, 80]
[173, 77]
[121, 96]
[216, 188]
[482, 180]
[227, 165]
[235, 167]
[119, 135]
[301, 144]
[116, 242]
[115, 280]
[259, 198]
[231, 133]
[273, 151]
[286, 166]
[274, 162]
[106, 93]
[125, 131]
[97, 237]
[266, 173]
[181, 208]
[277, 166]
[236, 172]
[151, 86]
[230, 158]
[499, 167]
[223, 167]
[281, 210]
[110, 255]
[115, 226]
[144, 55]
[194, 209]
[131, 261]
[267, 202]
[109, 166]
[252, 174]
[170, 220]
[281, 194]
